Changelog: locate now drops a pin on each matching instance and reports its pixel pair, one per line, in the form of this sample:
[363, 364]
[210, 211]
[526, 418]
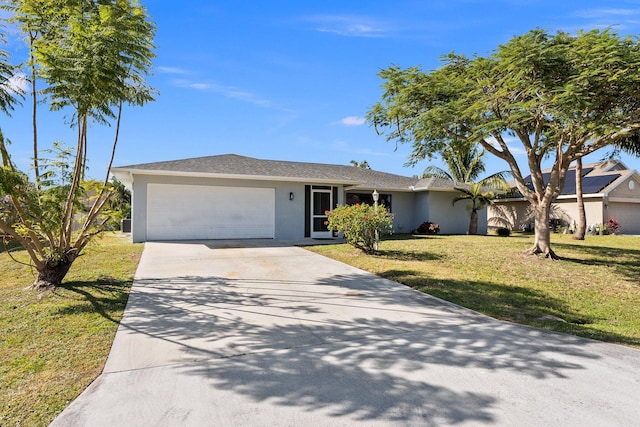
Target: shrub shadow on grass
[403, 276]
[103, 296]
[409, 236]
[409, 255]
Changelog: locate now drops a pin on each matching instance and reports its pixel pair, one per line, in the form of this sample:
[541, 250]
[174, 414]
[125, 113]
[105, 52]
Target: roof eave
[132, 171]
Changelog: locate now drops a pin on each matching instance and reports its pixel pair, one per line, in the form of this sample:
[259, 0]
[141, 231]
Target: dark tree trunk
[542, 244]
[53, 272]
[473, 223]
[581, 227]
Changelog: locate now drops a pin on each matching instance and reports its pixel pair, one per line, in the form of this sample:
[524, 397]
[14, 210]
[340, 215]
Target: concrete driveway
[254, 333]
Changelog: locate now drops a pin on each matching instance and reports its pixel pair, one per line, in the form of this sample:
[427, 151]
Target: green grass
[595, 288]
[52, 345]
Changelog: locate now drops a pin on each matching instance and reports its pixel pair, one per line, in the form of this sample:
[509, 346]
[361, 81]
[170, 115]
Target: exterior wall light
[291, 195]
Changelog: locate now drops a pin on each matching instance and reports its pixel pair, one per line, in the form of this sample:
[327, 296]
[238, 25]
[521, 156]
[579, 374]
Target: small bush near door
[359, 224]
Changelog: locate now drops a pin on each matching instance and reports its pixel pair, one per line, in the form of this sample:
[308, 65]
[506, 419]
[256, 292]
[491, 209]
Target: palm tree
[464, 163]
[363, 164]
[479, 198]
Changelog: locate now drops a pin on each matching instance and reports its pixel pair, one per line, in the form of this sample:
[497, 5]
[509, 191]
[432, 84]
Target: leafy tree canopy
[88, 58]
[561, 96]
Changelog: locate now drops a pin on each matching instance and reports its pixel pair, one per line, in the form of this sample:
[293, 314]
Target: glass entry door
[321, 202]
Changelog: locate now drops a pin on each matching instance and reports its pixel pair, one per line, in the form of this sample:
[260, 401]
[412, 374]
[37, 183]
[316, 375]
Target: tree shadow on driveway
[343, 346]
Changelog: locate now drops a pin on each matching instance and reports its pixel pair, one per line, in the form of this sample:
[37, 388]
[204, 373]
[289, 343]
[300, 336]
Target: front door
[321, 202]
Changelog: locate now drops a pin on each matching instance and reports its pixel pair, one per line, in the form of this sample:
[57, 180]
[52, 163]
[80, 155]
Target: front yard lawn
[594, 289]
[52, 345]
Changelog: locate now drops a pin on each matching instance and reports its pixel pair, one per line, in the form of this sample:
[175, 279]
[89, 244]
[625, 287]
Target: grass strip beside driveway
[53, 345]
[593, 292]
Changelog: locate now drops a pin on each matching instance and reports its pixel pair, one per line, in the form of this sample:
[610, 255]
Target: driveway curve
[258, 333]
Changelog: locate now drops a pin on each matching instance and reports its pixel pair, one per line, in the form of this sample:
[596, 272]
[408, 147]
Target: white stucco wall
[402, 205]
[453, 219]
[567, 210]
[420, 209]
[512, 215]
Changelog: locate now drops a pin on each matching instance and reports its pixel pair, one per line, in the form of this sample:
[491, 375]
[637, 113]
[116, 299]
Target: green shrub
[503, 232]
[359, 223]
[428, 228]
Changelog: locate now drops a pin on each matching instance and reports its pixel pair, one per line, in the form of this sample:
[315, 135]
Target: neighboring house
[610, 191]
[230, 196]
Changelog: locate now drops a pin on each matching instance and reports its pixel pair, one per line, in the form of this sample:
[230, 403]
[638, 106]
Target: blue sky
[293, 80]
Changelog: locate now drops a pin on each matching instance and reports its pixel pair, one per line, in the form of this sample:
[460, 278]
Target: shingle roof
[233, 165]
[435, 183]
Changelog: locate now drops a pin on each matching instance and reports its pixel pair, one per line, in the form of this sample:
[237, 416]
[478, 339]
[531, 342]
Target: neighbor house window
[383, 199]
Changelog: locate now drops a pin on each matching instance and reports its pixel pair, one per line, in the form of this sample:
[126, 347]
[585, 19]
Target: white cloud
[172, 70]
[226, 91]
[512, 144]
[605, 12]
[353, 121]
[17, 84]
[350, 26]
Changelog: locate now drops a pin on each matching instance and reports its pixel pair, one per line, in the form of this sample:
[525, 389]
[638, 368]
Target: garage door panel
[177, 212]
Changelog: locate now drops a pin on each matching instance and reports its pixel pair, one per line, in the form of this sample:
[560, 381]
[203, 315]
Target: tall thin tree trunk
[34, 111]
[581, 228]
[473, 223]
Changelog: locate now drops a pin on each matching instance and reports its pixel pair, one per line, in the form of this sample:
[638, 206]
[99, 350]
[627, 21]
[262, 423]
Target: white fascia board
[564, 197]
[440, 189]
[584, 196]
[624, 200]
[131, 172]
[124, 176]
[365, 189]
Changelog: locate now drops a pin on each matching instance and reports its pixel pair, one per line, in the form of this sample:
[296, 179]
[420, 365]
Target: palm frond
[435, 171]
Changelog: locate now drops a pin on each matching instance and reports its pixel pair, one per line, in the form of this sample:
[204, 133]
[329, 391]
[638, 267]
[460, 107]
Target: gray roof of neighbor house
[241, 167]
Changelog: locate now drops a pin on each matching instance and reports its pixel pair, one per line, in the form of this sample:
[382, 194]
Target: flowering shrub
[613, 226]
[359, 223]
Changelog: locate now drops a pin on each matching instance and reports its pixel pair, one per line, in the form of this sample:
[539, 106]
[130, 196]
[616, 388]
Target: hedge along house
[610, 190]
[236, 197]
